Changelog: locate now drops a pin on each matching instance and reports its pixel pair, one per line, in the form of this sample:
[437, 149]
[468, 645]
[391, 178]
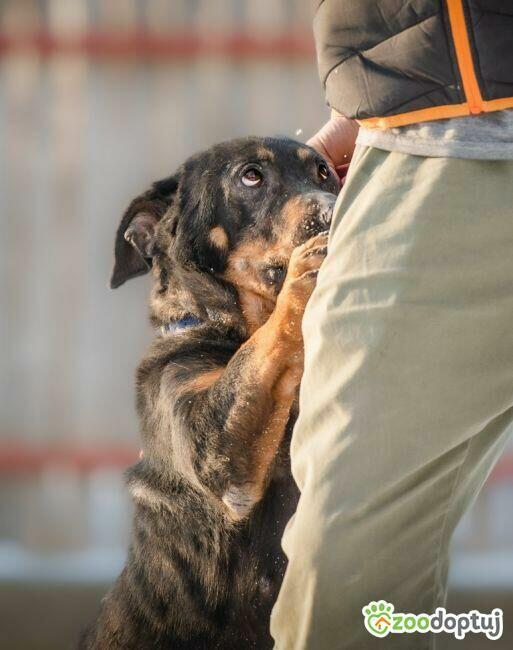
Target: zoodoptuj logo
[380, 620]
[378, 617]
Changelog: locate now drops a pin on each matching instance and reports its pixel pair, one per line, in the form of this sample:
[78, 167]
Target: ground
[38, 617]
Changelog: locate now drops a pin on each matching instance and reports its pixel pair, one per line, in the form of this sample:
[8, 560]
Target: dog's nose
[320, 207]
[326, 208]
[316, 210]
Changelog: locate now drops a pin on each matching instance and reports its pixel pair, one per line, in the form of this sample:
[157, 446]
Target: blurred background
[98, 99]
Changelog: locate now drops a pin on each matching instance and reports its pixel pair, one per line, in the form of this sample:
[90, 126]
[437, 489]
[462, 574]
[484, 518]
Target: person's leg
[407, 392]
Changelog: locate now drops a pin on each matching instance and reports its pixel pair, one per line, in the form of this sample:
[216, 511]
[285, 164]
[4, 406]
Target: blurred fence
[97, 99]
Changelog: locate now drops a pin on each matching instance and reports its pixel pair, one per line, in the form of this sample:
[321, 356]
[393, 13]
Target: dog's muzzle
[318, 212]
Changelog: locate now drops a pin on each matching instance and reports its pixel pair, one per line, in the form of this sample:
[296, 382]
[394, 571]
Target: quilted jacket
[395, 62]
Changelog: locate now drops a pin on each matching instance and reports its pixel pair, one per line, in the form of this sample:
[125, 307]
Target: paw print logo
[378, 617]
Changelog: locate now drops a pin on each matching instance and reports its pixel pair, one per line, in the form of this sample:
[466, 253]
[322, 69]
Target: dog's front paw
[304, 266]
[300, 280]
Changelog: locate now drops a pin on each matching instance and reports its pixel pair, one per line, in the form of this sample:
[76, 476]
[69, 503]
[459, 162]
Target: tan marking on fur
[264, 153]
[256, 299]
[293, 213]
[203, 381]
[285, 390]
[240, 500]
[256, 308]
[303, 153]
[219, 237]
[273, 433]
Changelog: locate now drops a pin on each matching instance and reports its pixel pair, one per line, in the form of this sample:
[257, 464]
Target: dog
[234, 241]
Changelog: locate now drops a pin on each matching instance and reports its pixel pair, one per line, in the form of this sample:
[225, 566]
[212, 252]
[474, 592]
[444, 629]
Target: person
[406, 400]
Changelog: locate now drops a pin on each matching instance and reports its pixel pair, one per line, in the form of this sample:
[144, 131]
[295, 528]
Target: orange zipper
[474, 102]
[464, 56]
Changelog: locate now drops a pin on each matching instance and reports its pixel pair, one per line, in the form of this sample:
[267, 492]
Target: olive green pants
[407, 393]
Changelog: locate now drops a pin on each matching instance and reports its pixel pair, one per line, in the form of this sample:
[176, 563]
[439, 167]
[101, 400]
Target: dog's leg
[229, 420]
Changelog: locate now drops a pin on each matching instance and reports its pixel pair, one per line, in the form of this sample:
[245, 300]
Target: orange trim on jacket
[474, 103]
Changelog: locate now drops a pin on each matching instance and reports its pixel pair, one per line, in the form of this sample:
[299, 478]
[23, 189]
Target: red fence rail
[23, 458]
[28, 458]
[173, 45]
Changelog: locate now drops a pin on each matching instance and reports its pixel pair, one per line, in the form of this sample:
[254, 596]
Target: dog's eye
[252, 177]
[323, 171]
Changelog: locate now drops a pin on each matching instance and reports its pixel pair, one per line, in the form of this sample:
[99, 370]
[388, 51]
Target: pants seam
[446, 517]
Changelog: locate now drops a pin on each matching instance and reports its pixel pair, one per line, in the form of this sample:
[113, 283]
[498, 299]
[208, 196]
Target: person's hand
[336, 142]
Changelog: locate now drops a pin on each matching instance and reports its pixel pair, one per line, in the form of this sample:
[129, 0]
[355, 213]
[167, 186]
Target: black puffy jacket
[394, 62]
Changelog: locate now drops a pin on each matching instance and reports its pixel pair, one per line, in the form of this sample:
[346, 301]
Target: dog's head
[220, 232]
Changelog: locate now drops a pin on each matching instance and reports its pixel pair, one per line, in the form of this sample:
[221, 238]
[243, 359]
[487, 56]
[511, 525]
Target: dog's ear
[134, 247]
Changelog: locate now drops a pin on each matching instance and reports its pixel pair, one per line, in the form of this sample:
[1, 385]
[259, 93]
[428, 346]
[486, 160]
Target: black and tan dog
[235, 240]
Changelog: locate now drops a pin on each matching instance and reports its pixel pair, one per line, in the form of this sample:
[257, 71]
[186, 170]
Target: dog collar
[176, 326]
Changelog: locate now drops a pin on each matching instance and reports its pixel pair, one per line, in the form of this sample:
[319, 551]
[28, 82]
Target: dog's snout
[315, 210]
[319, 207]
[326, 208]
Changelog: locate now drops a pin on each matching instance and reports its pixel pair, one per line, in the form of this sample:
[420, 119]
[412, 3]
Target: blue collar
[176, 326]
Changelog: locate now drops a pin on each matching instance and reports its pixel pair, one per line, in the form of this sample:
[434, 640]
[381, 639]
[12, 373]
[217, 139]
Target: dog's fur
[217, 400]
